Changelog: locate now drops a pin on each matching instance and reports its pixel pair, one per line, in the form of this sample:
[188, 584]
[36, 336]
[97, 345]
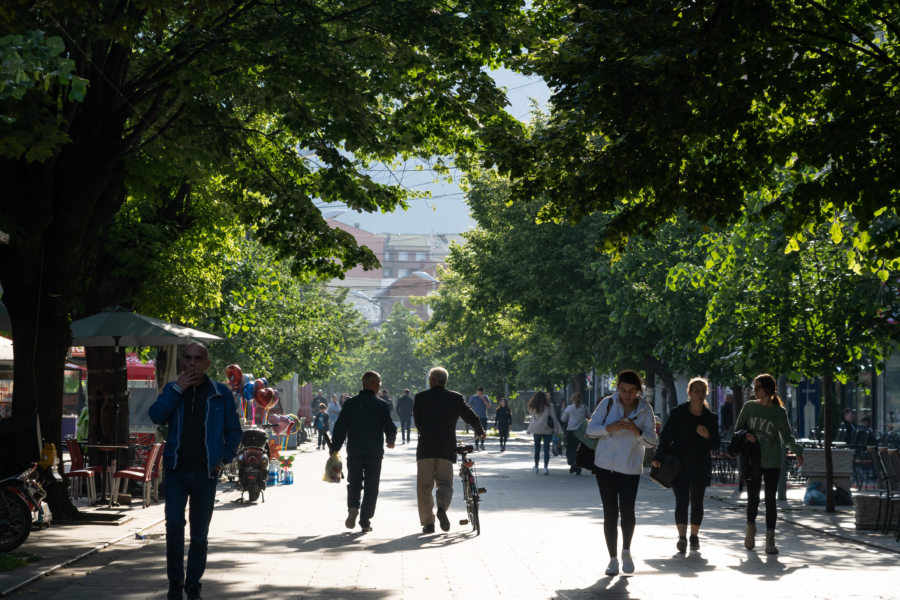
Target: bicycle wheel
[472, 505]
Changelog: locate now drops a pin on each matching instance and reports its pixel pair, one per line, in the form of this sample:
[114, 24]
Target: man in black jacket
[365, 421]
[405, 411]
[436, 412]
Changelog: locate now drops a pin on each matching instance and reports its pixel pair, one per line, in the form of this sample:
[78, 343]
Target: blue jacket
[223, 427]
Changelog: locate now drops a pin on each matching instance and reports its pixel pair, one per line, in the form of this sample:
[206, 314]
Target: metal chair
[137, 473]
[79, 473]
[157, 471]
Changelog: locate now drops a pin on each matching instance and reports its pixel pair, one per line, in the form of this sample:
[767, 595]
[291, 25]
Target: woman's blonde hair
[701, 381]
[577, 399]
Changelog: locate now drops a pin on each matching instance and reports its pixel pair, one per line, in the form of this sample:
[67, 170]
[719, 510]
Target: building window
[420, 256]
[403, 256]
[387, 256]
[387, 272]
[402, 273]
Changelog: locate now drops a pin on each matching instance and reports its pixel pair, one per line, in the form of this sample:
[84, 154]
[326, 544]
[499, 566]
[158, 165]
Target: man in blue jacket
[365, 422]
[204, 433]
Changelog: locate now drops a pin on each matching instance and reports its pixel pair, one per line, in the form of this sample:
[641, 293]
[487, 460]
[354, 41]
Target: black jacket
[365, 422]
[436, 412]
[404, 406]
[679, 438]
[750, 453]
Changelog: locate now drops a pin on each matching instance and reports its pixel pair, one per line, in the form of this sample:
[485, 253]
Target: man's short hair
[370, 377]
[406, 391]
[198, 345]
[480, 388]
[438, 376]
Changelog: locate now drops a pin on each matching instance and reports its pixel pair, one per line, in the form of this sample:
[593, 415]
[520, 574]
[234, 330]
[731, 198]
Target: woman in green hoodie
[767, 423]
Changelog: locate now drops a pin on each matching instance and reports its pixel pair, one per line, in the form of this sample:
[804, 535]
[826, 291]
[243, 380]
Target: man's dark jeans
[405, 424]
[363, 476]
[183, 486]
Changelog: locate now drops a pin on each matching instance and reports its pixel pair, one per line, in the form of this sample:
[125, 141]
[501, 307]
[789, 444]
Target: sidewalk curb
[84, 554]
[786, 519]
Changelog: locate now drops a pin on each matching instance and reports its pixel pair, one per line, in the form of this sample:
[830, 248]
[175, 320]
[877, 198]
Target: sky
[445, 211]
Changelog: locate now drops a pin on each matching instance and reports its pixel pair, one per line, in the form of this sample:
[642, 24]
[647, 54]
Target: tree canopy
[660, 106]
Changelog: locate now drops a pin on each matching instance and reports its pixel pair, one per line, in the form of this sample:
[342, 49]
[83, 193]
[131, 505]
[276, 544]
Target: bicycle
[471, 491]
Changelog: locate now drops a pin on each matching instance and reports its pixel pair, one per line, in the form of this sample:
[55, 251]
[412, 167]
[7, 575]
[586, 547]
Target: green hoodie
[771, 427]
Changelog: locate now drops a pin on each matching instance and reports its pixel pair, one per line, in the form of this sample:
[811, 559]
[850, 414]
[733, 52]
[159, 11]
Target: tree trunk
[108, 401]
[37, 298]
[828, 385]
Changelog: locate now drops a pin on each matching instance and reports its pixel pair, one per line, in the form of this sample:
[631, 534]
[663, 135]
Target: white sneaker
[534, 469]
[613, 567]
[627, 563]
[546, 472]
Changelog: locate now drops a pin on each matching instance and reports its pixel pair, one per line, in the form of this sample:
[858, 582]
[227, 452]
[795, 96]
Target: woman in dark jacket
[503, 421]
[690, 433]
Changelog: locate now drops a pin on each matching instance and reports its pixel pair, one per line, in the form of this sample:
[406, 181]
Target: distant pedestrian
[575, 414]
[503, 421]
[320, 423]
[543, 426]
[436, 411]
[624, 426]
[690, 433]
[387, 399]
[365, 422]
[334, 410]
[204, 433]
[480, 403]
[314, 404]
[405, 411]
[767, 422]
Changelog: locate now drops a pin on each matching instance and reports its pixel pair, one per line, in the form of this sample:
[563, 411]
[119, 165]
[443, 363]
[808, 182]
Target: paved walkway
[541, 538]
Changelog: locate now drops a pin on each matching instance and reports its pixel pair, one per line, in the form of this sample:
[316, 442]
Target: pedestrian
[691, 432]
[624, 426]
[543, 426]
[503, 421]
[365, 422]
[334, 409]
[203, 436]
[387, 399]
[575, 414]
[321, 425]
[480, 403]
[435, 412]
[766, 422]
[313, 405]
[846, 431]
[405, 411]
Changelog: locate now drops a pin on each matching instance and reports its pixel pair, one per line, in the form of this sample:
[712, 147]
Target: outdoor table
[111, 463]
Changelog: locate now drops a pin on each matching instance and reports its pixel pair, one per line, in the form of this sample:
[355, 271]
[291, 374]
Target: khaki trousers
[431, 472]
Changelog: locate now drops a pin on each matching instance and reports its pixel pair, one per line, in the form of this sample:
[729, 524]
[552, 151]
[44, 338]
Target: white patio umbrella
[119, 327]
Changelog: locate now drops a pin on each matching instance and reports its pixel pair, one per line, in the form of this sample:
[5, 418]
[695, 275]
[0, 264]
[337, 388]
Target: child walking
[321, 425]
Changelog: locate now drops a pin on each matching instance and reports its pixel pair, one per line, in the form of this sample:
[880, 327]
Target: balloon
[266, 398]
[234, 375]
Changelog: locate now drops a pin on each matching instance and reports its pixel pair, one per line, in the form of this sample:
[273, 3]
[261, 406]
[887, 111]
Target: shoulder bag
[668, 470]
[584, 454]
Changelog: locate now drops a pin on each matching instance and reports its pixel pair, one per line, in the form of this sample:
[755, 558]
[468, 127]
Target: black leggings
[618, 493]
[686, 489]
[770, 476]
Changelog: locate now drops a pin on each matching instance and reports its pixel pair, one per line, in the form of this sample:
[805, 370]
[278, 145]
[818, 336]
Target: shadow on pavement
[768, 569]
[606, 587]
[684, 565]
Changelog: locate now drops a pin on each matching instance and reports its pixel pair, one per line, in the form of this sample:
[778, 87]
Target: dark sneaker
[193, 592]
[429, 528]
[351, 517]
[442, 517]
[365, 527]
[176, 591]
[681, 544]
[695, 542]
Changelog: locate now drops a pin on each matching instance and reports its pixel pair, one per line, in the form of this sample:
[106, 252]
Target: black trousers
[688, 488]
[363, 476]
[770, 477]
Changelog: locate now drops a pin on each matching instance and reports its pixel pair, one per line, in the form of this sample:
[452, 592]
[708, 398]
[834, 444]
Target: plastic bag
[334, 468]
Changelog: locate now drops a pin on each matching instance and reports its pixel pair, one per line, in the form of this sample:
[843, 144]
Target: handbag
[667, 472]
[584, 454]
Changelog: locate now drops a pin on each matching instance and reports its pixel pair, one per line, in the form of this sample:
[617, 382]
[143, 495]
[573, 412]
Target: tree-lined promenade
[713, 189]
